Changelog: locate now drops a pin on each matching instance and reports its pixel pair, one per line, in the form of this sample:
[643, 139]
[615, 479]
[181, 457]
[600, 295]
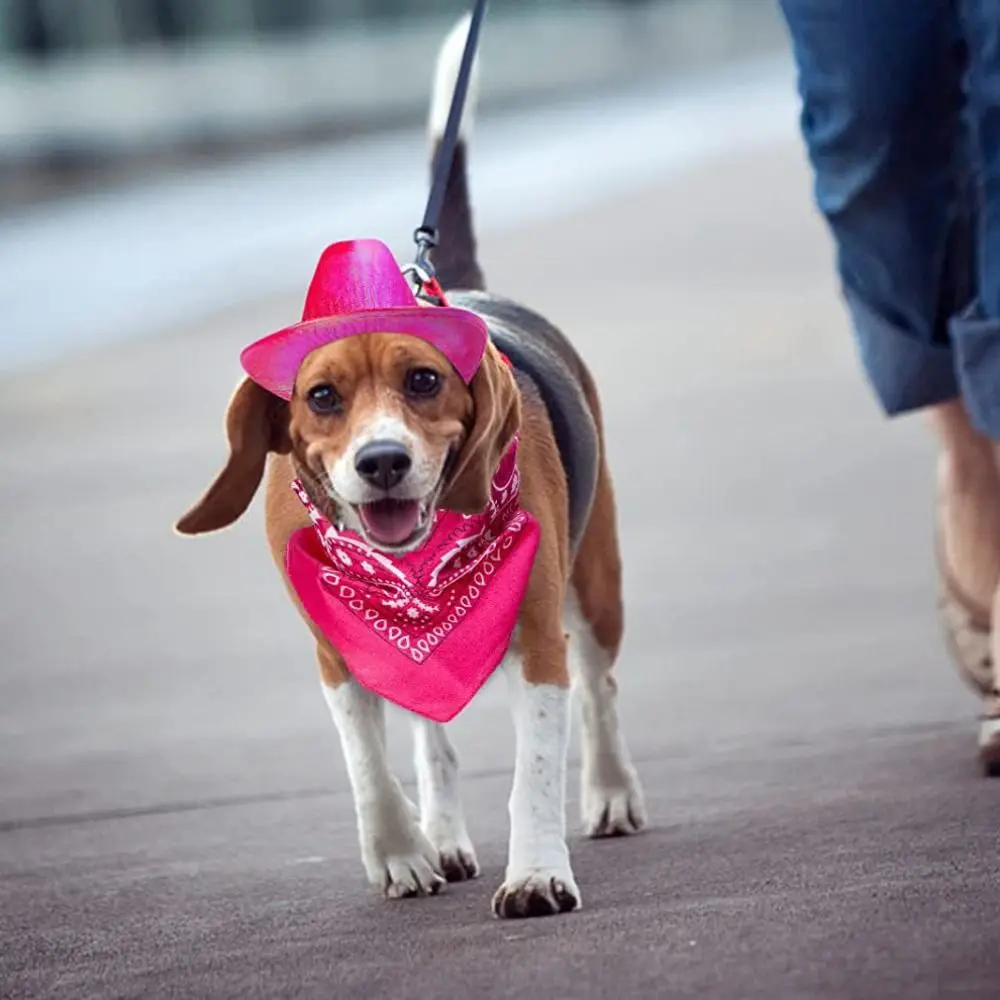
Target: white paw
[456, 856]
[537, 893]
[402, 866]
[613, 809]
[458, 862]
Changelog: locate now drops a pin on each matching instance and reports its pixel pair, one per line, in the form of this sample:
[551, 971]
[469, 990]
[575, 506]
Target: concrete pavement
[174, 814]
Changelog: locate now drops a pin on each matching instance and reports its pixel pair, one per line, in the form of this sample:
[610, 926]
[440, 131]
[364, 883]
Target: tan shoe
[989, 736]
[967, 629]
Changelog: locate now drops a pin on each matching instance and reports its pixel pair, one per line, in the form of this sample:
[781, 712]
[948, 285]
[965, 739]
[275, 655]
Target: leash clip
[426, 240]
[421, 271]
[425, 286]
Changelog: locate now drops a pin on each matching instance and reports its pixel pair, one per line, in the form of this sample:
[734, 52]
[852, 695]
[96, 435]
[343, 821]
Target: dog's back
[545, 362]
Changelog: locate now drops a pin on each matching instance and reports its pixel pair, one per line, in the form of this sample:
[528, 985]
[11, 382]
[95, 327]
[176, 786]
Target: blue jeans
[901, 120]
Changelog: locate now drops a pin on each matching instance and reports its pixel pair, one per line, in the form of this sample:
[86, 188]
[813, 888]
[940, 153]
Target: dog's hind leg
[611, 799]
[441, 817]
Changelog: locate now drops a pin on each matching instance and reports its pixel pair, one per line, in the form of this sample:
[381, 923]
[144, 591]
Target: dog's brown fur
[481, 419]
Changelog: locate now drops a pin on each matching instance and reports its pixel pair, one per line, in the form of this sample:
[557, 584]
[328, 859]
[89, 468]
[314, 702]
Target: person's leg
[880, 87]
[976, 334]
[967, 474]
[880, 82]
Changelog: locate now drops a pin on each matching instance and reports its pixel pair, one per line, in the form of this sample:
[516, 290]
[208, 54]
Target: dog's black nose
[383, 463]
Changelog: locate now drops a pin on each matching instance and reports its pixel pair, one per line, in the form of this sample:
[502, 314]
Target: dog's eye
[423, 382]
[323, 399]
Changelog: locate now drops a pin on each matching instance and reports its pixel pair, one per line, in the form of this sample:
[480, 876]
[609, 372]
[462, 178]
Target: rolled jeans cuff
[976, 343]
[906, 373]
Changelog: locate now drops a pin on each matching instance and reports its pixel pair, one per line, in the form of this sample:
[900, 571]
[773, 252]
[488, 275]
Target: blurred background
[92, 86]
[175, 819]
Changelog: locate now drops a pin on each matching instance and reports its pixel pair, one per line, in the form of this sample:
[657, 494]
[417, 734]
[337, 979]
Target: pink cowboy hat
[359, 288]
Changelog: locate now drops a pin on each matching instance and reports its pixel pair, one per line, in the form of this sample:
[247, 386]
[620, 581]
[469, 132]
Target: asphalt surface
[174, 813]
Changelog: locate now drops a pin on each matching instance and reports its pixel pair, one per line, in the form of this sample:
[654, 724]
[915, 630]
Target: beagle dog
[449, 440]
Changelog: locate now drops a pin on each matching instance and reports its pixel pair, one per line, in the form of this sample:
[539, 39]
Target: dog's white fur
[441, 816]
[397, 856]
[384, 425]
[348, 490]
[537, 852]
[445, 75]
[610, 793]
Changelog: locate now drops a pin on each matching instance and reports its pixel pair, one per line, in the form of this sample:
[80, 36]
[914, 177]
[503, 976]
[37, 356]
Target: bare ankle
[969, 475]
[968, 459]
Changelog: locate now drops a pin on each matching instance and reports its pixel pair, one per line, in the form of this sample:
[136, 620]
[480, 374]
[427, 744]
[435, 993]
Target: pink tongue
[390, 521]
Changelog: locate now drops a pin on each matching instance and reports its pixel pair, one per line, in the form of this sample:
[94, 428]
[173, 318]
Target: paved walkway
[174, 815]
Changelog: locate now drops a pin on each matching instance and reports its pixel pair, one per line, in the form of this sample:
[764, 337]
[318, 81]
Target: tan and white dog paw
[614, 809]
[538, 893]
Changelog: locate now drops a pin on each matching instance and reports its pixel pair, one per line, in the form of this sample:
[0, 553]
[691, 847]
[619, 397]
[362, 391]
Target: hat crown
[356, 276]
[358, 288]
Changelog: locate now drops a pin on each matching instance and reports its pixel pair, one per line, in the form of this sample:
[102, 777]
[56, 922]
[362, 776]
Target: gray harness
[545, 364]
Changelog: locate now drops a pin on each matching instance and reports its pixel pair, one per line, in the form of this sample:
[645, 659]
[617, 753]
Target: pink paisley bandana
[426, 629]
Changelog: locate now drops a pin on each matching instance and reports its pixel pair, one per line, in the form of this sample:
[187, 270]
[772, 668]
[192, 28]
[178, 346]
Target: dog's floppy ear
[256, 423]
[496, 419]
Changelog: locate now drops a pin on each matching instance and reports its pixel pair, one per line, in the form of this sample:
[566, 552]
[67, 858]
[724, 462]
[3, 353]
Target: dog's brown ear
[496, 419]
[256, 423]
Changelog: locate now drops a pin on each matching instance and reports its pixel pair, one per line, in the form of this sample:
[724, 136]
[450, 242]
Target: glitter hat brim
[273, 362]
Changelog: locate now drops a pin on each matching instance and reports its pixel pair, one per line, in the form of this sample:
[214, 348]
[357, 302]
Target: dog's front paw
[456, 856]
[537, 893]
[458, 862]
[612, 809]
[403, 865]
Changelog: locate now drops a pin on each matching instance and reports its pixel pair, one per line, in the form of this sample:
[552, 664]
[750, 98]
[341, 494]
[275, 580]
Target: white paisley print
[414, 601]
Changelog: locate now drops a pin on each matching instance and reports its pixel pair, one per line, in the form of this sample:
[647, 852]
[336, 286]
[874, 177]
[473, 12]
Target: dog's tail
[455, 255]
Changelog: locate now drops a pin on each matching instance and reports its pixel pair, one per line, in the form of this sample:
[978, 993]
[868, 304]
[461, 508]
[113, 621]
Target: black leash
[426, 235]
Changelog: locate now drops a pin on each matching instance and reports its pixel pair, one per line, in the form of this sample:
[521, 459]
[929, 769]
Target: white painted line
[149, 257]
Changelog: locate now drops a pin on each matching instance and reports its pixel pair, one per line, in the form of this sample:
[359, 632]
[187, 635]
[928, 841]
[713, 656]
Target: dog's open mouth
[393, 522]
